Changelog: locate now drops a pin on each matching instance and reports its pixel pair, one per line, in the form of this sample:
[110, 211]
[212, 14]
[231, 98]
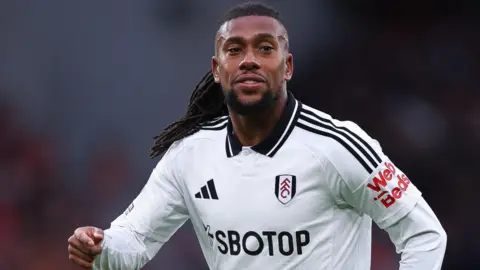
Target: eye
[234, 50]
[266, 49]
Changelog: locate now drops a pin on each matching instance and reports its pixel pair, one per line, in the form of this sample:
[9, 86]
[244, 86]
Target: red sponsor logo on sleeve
[389, 195]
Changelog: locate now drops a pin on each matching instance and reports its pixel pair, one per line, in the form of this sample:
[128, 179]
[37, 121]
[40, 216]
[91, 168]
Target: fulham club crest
[285, 187]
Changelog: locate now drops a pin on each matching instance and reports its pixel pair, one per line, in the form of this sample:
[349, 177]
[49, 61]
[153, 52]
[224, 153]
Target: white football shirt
[304, 198]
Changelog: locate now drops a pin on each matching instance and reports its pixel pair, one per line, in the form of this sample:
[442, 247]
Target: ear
[215, 71]
[288, 67]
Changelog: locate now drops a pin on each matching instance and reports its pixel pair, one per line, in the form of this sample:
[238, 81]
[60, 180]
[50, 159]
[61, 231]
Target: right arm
[153, 217]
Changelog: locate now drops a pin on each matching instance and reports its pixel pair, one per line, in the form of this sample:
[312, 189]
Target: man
[267, 181]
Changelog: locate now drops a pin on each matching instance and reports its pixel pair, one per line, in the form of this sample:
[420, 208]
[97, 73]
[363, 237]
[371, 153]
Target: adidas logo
[208, 191]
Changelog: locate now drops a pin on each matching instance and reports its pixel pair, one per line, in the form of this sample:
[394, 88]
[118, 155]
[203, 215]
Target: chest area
[255, 190]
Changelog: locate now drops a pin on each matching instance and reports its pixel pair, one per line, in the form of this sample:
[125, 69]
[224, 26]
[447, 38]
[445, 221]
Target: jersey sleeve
[366, 179]
[151, 219]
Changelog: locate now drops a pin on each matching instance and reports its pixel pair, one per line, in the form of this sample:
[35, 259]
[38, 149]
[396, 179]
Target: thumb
[97, 235]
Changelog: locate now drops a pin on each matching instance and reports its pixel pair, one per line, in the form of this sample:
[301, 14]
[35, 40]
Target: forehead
[249, 26]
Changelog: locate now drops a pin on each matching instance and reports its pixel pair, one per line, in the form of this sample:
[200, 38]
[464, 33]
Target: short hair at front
[251, 9]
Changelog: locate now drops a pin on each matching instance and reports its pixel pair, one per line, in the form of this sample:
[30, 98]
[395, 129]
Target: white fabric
[309, 206]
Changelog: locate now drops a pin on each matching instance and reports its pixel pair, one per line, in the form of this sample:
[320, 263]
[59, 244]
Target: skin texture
[84, 245]
[254, 48]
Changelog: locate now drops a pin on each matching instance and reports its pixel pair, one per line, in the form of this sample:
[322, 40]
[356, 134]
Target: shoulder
[324, 125]
[339, 141]
[216, 124]
[208, 132]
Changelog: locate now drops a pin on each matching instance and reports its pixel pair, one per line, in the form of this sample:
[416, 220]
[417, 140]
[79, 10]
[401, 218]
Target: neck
[251, 130]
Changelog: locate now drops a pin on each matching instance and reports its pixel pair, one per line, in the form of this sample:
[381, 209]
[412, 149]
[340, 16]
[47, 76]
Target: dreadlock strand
[206, 103]
[200, 85]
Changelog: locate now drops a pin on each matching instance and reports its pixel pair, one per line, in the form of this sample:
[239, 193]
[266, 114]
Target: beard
[266, 102]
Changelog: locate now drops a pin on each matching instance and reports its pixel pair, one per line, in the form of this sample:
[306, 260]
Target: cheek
[223, 77]
[225, 72]
[280, 72]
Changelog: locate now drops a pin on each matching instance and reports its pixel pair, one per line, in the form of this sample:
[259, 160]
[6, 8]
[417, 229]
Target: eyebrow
[239, 39]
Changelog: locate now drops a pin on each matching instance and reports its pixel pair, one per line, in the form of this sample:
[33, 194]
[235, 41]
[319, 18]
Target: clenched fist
[84, 245]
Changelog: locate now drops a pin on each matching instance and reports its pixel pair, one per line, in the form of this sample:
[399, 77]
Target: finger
[80, 262]
[86, 257]
[73, 241]
[95, 250]
[84, 238]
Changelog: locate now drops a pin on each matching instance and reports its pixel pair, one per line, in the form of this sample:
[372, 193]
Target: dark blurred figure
[28, 203]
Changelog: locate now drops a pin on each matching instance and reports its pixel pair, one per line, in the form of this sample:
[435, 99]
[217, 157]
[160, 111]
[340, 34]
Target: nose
[249, 62]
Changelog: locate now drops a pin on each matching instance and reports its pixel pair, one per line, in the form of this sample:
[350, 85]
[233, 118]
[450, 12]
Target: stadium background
[85, 85]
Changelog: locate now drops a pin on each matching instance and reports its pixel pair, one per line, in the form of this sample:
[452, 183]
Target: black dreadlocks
[207, 101]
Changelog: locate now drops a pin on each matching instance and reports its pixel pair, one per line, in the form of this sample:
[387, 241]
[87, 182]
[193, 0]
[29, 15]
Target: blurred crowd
[42, 201]
[413, 86]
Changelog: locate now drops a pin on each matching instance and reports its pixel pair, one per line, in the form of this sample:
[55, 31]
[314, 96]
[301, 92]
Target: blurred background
[85, 85]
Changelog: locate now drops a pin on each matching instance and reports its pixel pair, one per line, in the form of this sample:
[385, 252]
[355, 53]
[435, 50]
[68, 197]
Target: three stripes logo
[362, 151]
[218, 123]
[208, 191]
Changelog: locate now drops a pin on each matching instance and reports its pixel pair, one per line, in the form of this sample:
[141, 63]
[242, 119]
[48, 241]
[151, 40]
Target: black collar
[274, 141]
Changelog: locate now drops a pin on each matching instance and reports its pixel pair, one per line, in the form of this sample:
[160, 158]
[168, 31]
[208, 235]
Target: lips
[249, 78]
